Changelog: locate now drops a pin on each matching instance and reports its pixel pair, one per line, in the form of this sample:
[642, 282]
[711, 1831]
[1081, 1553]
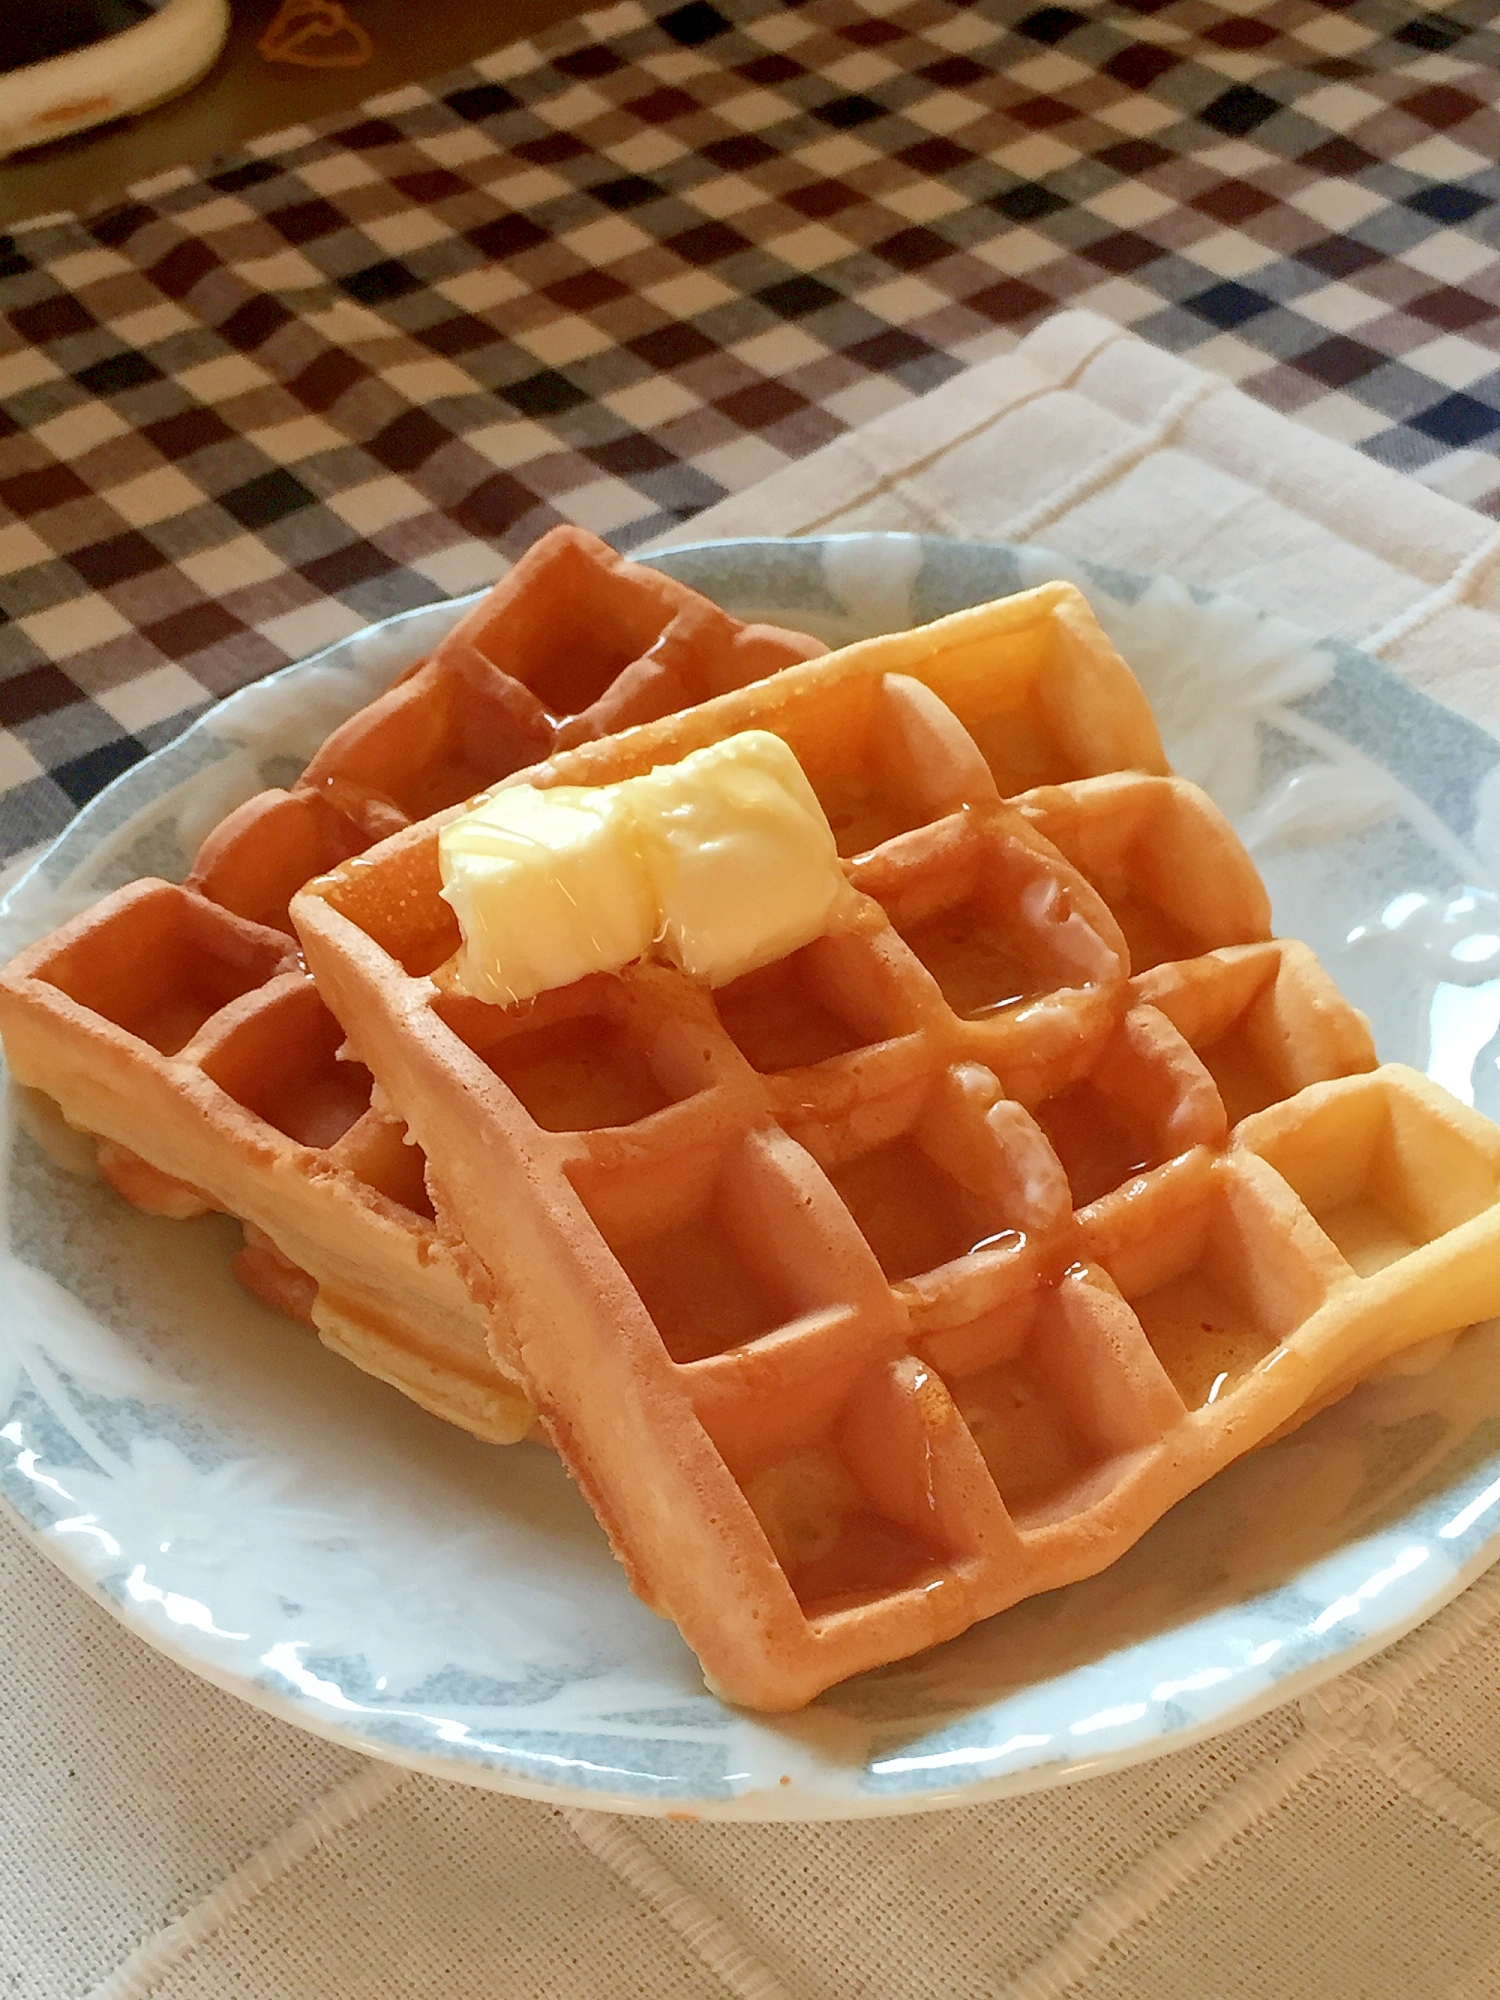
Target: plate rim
[757, 1805]
[766, 1803]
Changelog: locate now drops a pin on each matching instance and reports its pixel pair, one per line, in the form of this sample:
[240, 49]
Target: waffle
[179, 1026]
[927, 1267]
[574, 643]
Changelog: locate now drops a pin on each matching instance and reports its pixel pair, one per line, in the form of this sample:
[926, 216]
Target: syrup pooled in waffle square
[179, 1027]
[921, 1270]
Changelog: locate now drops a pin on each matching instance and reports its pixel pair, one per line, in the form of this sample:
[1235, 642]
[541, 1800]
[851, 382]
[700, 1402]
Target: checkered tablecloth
[614, 274]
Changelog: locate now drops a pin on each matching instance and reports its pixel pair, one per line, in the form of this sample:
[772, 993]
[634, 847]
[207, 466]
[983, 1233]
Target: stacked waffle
[915, 1272]
[178, 1024]
[924, 1268]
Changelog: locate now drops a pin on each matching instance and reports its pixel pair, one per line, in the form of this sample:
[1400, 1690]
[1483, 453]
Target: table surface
[244, 94]
[619, 274]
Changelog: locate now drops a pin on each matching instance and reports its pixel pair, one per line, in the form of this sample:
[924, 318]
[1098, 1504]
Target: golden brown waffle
[200, 1039]
[178, 1025]
[922, 1270]
[574, 643]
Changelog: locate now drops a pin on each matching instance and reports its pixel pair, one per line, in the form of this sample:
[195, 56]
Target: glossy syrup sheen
[1205, 1339]
[576, 670]
[1098, 1150]
[978, 970]
[449, 782]
[911, 1212]
[871, 1557]
[399, 905]
[863, 815]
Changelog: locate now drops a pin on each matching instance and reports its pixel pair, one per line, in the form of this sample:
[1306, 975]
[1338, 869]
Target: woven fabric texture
[619, 273]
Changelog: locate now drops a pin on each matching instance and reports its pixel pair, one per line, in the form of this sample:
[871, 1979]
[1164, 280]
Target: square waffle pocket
[177, 1025]
[924, 1268]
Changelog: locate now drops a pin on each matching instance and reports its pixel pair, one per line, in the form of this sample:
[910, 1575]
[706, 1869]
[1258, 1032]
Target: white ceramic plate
[301, 1535]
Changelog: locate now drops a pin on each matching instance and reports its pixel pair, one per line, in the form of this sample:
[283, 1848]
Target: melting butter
[722, 863]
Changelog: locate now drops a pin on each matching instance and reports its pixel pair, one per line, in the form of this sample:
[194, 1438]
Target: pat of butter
[546, 886]
[723, 862]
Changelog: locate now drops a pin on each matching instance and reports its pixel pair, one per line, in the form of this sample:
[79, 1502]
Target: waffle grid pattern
[573, 644]
[193, 1046]
[960, 1307]
[615, 274]
[179, 1024]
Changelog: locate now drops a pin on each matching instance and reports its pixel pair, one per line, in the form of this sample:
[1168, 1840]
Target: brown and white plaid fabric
[611, 275]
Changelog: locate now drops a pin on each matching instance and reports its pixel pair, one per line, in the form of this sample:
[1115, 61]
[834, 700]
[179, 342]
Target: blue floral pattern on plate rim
[306, 1539]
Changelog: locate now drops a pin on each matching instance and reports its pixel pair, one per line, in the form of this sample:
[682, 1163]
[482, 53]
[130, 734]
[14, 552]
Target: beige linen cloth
[158, 1838]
